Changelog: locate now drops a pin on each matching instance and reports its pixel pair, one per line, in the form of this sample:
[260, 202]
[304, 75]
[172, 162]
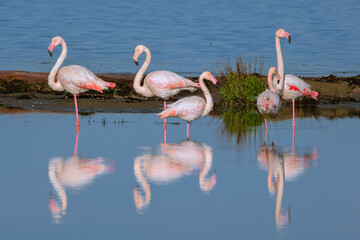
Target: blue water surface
[184, 36]
[125, 183]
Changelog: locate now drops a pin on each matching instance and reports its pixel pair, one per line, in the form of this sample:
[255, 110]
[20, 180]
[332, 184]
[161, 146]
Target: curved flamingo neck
[280, 63]
[56, 85]
[208, 97]
[280, 192]
[139, 200]
[207, 184]
[269, 79]
[143, 90]
[53, 170]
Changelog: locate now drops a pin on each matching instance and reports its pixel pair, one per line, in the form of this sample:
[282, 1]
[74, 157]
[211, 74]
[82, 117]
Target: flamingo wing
[77, 79]
[268, 102]
[168, 80]
[188, 109]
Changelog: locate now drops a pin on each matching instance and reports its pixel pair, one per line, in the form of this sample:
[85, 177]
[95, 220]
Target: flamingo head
[273, 71]
[281, 33]
[138, 51]
[209, 76]
[54, 42]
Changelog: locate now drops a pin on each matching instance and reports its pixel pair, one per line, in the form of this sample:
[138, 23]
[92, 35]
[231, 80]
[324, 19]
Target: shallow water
[184, 36]
[126, 183]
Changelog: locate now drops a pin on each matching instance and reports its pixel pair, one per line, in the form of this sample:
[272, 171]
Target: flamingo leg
[293, 145]
[164, 109]
[265, 123]
[165, 134]
[266, 130]
[293, 103]
[76, 143]
[187, 131]
[77, 113]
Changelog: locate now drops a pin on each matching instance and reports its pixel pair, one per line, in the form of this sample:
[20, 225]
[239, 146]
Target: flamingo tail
[314, 94]
[110, 85]
[167, 113]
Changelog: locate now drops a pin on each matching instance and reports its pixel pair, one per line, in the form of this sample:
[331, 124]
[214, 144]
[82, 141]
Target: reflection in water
[242, 124]
[170, 163]
[72, 173]
[283, 164]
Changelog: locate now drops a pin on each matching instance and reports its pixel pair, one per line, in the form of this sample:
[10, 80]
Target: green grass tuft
[241, 84]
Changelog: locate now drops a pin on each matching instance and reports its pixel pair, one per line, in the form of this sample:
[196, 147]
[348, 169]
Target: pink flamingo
[268, 102]
[74, 78]
[159, 83]
[191, 108]
[294, 87]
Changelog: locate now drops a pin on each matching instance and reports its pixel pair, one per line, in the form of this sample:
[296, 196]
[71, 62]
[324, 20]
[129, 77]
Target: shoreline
[29, 91]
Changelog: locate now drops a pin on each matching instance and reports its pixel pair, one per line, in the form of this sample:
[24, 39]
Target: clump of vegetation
[241, 84]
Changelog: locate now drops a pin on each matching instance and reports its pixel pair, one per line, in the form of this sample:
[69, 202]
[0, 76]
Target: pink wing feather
[77, 79]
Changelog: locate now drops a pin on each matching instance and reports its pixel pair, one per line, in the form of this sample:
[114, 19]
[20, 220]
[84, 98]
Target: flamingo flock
[77, 79]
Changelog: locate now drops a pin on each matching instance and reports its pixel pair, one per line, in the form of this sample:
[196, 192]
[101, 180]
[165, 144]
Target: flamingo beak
[213, 79]
[277, 76]
[135, 58]
[289, 39]
[51, 48]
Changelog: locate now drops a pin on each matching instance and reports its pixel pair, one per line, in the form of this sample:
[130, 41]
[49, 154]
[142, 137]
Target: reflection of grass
[239, 123]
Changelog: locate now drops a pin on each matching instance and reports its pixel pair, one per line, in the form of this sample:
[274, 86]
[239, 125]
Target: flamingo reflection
[283, 164]
[72, 173]
[172, 162]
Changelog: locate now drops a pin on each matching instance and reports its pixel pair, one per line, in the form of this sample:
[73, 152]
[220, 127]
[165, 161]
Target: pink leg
[77, 114]
[165, 134]
[76, 143]
[187, 130]
[293, 102]
[293, 145]
[265, 123]
[266, 130]
[164, 109]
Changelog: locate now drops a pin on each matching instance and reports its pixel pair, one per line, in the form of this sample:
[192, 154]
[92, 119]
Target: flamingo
[162, 83]
[191, 108]
[74, 78]
[268, 102]
[290, 86]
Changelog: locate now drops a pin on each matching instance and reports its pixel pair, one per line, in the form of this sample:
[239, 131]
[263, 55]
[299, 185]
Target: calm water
[125, 183]
[184, 36]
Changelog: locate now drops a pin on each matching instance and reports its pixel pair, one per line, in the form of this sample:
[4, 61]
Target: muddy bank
[30, 91]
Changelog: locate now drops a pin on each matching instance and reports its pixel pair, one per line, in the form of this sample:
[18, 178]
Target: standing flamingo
[159, 83]
[290, 86]
[74, 78]
[191, 108]
[268, 102]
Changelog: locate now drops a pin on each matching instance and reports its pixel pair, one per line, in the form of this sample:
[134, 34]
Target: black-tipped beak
[50, 53]
[137, 64]
[289, 39]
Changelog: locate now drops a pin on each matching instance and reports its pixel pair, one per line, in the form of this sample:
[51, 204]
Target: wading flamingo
[290, 87]
[74, 78]
[162, 83]
[191, 108]
[268, 102]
